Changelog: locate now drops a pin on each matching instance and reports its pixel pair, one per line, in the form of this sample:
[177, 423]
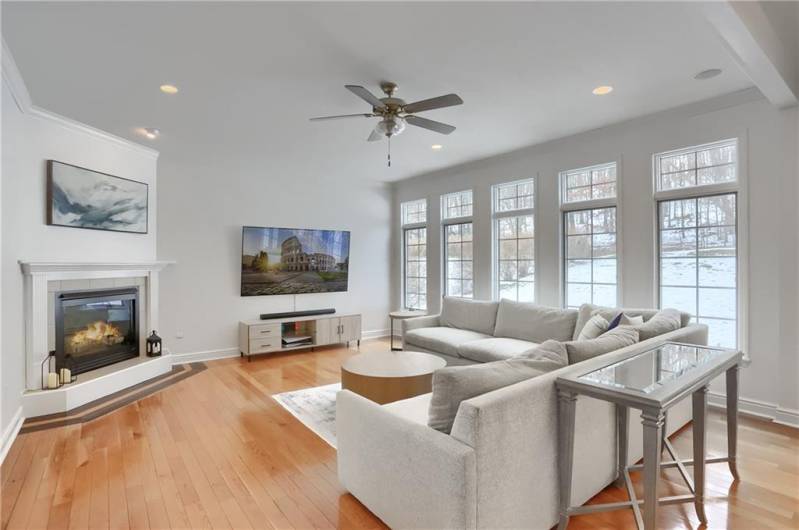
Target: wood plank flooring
[216, 451]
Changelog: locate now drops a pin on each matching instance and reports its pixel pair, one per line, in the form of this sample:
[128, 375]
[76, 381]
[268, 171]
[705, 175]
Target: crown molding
[19, 91]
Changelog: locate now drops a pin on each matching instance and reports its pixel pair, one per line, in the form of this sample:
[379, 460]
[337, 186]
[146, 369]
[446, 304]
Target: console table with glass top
[651, 381]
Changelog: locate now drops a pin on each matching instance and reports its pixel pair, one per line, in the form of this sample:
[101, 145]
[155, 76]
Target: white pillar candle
[52, 380]
[66, 376]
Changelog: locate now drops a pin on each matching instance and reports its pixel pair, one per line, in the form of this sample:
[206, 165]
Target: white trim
[38, 267]
[758, 409]
[10, 434]
[16, 85]
[226, 353]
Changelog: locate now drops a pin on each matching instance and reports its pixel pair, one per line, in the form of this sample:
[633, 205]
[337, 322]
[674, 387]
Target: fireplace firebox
[95, 328]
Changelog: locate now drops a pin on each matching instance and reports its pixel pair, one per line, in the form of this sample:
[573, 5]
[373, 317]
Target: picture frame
[79, 197]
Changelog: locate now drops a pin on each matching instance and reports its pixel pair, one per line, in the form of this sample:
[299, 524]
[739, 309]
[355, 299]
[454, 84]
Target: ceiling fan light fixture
[390, 126]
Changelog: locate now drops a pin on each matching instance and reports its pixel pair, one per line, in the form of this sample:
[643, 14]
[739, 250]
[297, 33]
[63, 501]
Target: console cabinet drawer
[265, 331]
[264, 345]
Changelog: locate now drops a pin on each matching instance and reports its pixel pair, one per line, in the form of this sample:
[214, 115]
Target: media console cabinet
[295, 333]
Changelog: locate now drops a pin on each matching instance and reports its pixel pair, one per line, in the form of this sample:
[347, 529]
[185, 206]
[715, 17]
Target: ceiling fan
[394, 113]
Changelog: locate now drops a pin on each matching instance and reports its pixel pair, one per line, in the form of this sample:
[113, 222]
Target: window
[590, 250]
[698, 236]
[590, 264]
[456, 218]
[588, 183]
[414, 270]
[458, 204]
[697, 166]
[514, 241]
[458, 250]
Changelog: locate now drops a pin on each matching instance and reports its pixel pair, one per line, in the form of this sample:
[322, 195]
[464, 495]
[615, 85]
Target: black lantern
[153, 345]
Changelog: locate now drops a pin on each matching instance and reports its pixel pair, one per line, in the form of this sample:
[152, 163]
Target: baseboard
[226, 353]
[758, 409]
[10, 434]
[208, 355]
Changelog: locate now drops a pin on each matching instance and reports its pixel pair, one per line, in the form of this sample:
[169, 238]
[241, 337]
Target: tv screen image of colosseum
[293, 261]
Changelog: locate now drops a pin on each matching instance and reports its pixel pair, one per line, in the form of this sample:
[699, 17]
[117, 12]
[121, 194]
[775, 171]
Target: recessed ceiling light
[169, 89]
[707, 74]
[602, 90]
[149, 132]
[436, 147]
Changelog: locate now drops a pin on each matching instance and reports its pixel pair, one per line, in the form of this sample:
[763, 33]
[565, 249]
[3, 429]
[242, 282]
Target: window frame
[404, 228]
[589, 204]
[740, 187]
[497, 215]
[454, 220]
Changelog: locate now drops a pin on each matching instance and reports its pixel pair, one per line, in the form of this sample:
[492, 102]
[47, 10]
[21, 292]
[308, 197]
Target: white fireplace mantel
[37, 274]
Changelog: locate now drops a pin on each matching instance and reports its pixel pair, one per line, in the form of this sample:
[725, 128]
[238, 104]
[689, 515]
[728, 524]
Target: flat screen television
[293, 261]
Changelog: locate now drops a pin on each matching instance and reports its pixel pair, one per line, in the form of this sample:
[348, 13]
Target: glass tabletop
[652, 369]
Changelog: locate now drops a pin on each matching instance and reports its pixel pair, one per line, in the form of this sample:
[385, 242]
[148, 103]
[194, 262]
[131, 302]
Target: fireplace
[96, 328]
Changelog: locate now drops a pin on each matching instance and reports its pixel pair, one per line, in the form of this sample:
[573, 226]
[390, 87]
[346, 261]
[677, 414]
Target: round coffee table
[384, 377]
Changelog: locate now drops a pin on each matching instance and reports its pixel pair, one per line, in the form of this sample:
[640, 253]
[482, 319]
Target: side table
[651, 381]
[402, 315]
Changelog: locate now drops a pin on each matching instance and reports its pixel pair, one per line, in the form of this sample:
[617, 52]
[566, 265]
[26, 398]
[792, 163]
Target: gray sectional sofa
[497, 468]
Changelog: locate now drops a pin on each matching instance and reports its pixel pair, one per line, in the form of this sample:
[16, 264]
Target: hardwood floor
[216, 451]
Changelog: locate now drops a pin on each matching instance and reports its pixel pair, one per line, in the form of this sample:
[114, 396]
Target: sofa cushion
[664, 321]
[493, 349]
[596, 326]
[476, 315]
[586, 311]
[620, 337]
[414, 409]
[442, 339]
[454, 384]
[550, 355]
[534, 323]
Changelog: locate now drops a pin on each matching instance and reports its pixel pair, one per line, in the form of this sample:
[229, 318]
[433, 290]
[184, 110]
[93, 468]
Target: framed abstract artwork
[81, 198]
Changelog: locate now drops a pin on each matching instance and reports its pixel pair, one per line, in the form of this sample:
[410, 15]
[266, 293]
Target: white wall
[29, 139]
[203, 203]
[769, 138]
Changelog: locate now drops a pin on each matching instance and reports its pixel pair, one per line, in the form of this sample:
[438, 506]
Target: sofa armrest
[427, 321]
[409, 475]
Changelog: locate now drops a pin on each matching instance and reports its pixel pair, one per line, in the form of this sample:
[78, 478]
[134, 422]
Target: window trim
[591, 204]
[741, 187]
[496, 216]
[404, 227]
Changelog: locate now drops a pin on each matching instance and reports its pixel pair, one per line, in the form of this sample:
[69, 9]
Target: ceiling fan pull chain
[389, 151]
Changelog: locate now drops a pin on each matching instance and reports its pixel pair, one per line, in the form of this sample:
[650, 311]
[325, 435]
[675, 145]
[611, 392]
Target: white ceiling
[250, 75]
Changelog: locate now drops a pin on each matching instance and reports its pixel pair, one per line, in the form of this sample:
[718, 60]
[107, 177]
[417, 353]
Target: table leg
[567, 402]
[622, 422]
[392, 335]
[699, 430]
[652, 420]
[732, 420]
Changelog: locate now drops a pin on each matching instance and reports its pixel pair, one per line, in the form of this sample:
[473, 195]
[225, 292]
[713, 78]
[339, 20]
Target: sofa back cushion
[454, 384]
[475, 315]
[664, 321]
[586, 311]
[535, 323]
[615, 339]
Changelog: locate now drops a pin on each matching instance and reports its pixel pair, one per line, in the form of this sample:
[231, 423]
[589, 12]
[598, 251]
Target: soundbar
[306, 313]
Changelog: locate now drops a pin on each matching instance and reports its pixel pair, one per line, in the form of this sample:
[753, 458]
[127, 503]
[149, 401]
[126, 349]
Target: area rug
[315, 408]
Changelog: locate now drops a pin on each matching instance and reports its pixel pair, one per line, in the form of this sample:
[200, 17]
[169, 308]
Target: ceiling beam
[755, 45]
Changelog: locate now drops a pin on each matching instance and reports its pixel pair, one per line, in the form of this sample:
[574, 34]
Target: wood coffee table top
[393, 364]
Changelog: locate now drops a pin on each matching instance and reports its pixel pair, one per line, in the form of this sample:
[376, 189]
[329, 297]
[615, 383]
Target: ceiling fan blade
[340, 116]
[433, 125]
[433, 103]
[365, 95]
[374, 137]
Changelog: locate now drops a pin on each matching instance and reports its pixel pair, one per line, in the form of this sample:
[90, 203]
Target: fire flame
[99, 333]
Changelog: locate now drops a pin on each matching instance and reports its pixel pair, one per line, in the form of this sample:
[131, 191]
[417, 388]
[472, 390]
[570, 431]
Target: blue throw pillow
[615, 321]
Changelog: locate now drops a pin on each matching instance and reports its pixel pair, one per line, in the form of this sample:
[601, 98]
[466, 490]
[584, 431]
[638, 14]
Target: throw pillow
[664, 321]
[595, 327]
[615, 322]
[621, 337]
[623, 320]
[454, 384]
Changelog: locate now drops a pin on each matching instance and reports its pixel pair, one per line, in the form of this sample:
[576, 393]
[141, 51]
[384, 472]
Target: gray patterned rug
[315, 408]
